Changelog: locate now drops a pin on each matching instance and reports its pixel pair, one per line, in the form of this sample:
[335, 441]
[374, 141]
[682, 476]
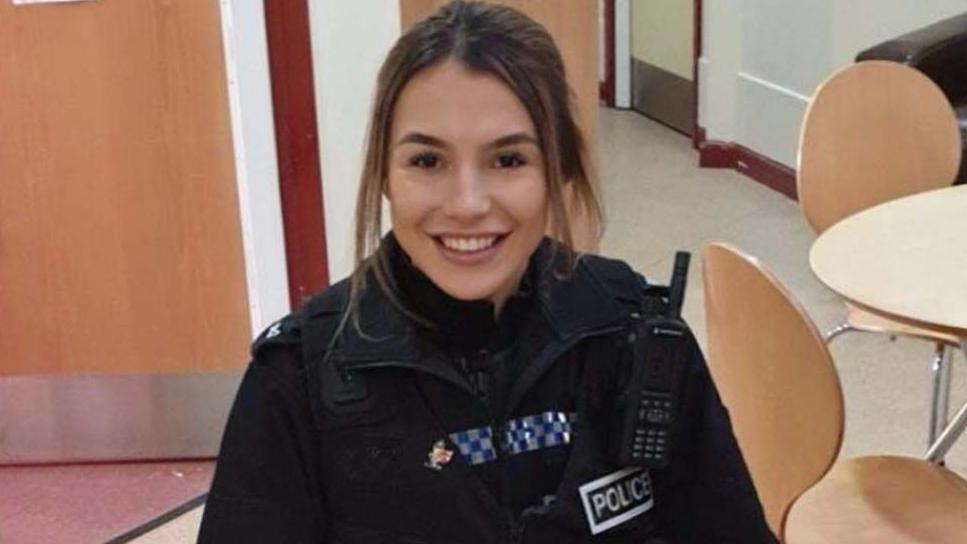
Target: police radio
[661, 348]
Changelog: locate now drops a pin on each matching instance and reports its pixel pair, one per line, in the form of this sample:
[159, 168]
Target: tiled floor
[657, 201]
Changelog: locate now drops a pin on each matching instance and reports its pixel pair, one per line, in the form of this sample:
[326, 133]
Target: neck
[499, 299]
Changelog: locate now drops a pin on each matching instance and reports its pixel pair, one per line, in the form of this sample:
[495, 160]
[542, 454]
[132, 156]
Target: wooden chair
[776, 377]
[873, 132]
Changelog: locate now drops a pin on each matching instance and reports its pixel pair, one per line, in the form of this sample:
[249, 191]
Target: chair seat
[881, 499]
[865, 320]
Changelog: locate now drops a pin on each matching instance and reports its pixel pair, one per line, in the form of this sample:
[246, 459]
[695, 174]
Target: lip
[470, 258]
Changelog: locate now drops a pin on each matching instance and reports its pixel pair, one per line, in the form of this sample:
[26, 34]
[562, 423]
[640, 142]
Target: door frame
[297, 147]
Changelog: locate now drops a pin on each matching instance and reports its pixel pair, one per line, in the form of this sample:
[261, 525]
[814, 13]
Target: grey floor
[658, 201]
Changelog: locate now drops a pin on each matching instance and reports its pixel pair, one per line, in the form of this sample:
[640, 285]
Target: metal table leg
[938, 450]
[940, 401]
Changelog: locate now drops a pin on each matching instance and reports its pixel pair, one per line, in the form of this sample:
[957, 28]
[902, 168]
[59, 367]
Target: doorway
[655, 45]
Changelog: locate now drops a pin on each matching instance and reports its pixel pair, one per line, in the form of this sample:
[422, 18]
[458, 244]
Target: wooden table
[907, 259]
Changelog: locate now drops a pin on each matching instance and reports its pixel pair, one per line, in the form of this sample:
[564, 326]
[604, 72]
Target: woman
[465, 385]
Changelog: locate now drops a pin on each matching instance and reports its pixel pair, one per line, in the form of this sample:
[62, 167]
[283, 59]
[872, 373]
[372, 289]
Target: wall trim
[768, 117]
[771, 173]
[773, 87]
[253, 141]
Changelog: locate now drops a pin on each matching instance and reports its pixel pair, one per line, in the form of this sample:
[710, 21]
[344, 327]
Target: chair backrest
[775, 376]
[874, 131]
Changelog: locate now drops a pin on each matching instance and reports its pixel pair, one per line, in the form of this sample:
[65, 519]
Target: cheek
[405, 206]
[530, 206]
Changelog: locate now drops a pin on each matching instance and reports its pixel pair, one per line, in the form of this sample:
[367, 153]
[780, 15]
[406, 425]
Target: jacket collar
[569, 306]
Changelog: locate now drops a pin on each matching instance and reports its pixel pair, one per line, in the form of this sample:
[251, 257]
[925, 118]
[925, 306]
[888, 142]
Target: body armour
[366, 433]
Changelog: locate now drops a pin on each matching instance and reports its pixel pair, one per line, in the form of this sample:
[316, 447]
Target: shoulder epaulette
[288, 330]
[285, 331]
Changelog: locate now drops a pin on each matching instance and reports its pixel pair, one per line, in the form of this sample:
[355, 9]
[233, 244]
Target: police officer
[469, 382]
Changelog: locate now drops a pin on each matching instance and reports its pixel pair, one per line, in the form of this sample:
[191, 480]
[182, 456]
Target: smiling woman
[469, 382]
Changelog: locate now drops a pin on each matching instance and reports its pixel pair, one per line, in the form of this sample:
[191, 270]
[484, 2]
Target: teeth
[469, 244]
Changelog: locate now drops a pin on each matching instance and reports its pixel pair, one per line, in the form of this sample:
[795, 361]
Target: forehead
[453, 103]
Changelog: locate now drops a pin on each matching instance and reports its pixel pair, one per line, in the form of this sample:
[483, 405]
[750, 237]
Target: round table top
[906, 258]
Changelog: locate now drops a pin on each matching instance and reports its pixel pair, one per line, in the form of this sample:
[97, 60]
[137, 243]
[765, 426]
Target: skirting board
[719, 154]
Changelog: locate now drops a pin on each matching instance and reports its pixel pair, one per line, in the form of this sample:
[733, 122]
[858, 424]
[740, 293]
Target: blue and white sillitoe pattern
[521, 435]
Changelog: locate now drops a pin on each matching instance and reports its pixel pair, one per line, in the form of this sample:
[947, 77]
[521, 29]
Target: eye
[510, 160]
[426, 160]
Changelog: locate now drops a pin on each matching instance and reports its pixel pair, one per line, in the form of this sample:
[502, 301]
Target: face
[466, 183]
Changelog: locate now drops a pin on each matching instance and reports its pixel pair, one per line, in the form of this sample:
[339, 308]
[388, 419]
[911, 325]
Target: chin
[468, 291]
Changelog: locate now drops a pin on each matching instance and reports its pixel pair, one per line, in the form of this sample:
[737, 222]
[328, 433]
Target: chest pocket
[383, 443]
[363, 441]
[380, 466]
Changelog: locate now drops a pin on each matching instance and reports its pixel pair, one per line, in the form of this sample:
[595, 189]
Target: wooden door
[121, 263]
[574, 26]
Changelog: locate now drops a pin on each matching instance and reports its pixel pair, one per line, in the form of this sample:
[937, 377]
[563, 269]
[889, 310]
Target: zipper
[516, 532]
[483, 392]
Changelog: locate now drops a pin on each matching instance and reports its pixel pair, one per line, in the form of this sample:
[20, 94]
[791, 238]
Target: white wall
[762, 59]
[349, 42]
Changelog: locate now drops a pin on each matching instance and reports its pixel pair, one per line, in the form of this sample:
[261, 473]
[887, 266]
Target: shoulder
[285, 337]
[598, 291]
[619, 282]
[332, 300]
[284, 332]
[614, 276]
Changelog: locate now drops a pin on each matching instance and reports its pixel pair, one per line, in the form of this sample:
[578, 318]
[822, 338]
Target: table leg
[938, 450]
[940, 401]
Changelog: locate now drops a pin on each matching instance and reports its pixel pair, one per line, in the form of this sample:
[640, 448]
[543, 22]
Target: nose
[468, 197]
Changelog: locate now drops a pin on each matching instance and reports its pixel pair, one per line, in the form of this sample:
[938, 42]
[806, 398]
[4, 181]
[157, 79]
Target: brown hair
[507, 44]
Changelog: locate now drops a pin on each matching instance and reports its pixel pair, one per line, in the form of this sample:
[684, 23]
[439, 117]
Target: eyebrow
[420, 138]
[426, 139]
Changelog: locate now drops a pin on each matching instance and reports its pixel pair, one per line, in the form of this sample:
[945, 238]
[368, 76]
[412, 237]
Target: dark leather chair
[940, 52]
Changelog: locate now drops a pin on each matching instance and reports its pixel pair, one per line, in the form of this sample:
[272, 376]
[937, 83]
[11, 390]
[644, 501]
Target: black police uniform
[469, 430]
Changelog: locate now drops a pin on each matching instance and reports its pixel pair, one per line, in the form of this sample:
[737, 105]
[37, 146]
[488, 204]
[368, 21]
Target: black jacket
[392, 437]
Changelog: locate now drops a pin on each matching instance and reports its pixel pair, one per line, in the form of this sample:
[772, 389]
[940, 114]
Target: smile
[469, 250]
[468, 244]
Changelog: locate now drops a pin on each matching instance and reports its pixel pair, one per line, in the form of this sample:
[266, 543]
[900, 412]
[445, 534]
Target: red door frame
[607, 86]
[697, 136]
[297, 146]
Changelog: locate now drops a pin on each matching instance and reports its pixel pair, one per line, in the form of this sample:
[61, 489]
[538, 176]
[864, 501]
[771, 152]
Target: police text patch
[616, 498]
